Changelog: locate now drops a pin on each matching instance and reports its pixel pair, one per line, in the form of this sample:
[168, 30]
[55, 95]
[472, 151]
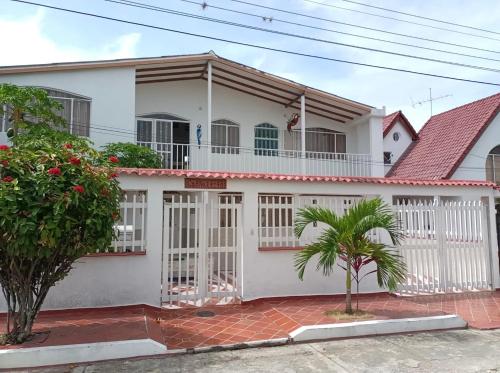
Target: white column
[209, 115]
[375, 129]
[303, 132]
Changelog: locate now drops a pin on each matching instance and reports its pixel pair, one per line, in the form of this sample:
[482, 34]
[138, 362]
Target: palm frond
[391, 269]
[328, 249]
[367, 215]
[308, 215]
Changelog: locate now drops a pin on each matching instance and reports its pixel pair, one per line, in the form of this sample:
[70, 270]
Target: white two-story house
[242, 150]
[204, 112]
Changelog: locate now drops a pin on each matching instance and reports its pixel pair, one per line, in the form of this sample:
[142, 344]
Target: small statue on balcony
[198, 135]
[292, 122]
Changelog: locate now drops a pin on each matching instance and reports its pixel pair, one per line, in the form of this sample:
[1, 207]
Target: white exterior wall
[120, 280]
[396, 147]
[112, 91]
[188, 99]
[473, 166]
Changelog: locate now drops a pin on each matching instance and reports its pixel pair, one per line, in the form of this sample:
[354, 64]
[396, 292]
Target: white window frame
[226, 148]
[267, 151]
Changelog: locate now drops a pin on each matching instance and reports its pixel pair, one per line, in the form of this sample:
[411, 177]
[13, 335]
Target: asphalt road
[451, 351]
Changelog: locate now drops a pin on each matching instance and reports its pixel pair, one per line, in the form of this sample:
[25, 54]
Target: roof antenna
[429, 100]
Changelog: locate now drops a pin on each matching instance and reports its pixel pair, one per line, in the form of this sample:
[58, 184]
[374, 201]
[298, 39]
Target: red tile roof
[445, 140]
[391, 119]
[282, 177]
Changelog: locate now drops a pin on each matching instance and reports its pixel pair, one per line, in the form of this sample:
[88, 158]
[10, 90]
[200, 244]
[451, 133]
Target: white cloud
[27, 44]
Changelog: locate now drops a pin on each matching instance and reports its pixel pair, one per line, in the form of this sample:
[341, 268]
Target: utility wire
[421, 17]
[141, 5]
[284, 51]
[123, 133]
[362, 27]
[410, 22]
[274, 19]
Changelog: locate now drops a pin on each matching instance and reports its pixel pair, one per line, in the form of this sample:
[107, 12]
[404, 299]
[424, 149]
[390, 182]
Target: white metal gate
[446, 248]
[201, 248]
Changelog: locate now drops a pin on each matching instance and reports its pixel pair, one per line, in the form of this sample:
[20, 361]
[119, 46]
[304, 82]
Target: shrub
[132, 155]
[59, 201]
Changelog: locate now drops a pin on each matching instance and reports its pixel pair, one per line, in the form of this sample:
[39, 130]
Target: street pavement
[447, 351]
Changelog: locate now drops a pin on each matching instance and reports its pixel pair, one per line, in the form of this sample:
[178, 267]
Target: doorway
[201, 248]
[168, 135]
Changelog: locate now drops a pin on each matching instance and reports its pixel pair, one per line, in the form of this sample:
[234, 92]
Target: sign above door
[198, 183]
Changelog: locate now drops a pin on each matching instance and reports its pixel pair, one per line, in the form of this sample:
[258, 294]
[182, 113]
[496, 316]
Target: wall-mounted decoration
[292, 122]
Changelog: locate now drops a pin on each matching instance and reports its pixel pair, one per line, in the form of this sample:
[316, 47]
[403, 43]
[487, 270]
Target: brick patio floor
[251, 321]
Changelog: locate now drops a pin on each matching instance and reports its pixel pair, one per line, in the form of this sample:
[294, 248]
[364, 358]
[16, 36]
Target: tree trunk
[348, 284]
[23, 307]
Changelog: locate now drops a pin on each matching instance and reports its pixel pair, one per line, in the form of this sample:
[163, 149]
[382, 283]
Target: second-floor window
[225, 137]
[387, 158]
[266, 139]
[318, 140]
[75, 111]
[493, 165]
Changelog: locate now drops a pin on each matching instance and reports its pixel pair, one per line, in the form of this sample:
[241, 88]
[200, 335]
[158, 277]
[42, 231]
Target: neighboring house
[217, 222]
[461, 144]
[398, 135]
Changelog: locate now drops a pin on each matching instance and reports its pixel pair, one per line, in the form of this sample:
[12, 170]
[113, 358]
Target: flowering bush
[53, 211]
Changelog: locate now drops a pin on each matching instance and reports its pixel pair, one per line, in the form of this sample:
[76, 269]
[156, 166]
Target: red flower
[113, 159]
[113, 175]
[54, 171]
[8, 179]
[75, 161]
[68, 146]
[4, 147]
[5, 163]
[78, 188]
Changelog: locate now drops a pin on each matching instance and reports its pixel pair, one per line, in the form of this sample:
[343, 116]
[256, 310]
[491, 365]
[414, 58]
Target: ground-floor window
[130, 229]
[277, 216]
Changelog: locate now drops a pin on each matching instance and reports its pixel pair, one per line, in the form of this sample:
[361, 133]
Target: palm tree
[345, 242]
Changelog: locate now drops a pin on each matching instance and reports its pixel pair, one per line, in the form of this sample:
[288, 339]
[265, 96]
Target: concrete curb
[240, 346]
[376, 327]
[78, 353]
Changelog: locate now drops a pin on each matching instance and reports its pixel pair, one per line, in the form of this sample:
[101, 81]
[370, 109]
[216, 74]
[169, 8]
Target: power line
[421, 17]
[363, 27]
[410, 22]
[284, 51]
[136, 4]
[274, 19]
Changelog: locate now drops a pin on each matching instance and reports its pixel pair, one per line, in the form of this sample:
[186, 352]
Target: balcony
[276, 161]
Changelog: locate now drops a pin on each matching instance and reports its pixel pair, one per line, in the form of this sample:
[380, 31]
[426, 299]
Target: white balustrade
[277, 161]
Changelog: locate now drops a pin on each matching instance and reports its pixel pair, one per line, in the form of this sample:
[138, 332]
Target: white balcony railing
[238, 159]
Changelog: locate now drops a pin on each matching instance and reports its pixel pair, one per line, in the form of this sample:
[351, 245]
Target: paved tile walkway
[257, 320]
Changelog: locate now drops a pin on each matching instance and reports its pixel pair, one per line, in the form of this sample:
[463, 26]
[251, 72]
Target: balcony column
[303, 132]
[209, 115]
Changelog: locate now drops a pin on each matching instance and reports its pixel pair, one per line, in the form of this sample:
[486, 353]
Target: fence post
[493, 252]
[442, 253]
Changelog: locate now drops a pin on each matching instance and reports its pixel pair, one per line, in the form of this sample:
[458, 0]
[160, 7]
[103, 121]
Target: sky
[33, 35]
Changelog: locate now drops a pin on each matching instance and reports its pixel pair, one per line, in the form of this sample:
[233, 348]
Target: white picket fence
[446, 248]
